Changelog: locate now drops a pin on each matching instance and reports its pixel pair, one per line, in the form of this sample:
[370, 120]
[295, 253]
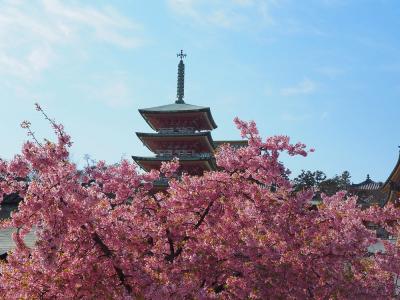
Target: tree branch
[108, 253]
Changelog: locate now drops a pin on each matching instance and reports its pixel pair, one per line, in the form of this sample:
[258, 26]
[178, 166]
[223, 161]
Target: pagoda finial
[181, 55]
[180, 93]
[368, 178]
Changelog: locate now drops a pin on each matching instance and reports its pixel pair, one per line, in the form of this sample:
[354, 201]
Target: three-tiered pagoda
[182, 130]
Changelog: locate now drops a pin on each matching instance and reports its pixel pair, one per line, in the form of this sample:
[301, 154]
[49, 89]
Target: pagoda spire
[180, 92]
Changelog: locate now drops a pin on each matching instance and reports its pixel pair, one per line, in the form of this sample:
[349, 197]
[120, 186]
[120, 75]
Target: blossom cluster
[240, 232]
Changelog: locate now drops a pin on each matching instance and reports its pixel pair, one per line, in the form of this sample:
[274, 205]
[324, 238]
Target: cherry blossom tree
[241, 232]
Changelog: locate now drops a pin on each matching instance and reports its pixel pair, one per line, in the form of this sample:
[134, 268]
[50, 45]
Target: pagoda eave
[153, 115]
[186, 163]
[154, 141]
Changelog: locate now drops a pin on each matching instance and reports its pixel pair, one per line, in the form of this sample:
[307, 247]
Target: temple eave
[200, 142]
[200, 117]
[186, 163]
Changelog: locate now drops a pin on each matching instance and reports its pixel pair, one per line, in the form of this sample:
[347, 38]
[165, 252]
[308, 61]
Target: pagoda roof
[183, 160]
[177, 108]
[366, 185]
[177, 137]
[174, 134]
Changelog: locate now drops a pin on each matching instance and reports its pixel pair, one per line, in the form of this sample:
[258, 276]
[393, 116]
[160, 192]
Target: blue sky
[324, 72]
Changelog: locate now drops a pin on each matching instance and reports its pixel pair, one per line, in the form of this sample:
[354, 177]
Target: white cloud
[304, 87]
[299, 117]
[32, 33]
[334, 2]
[107, 24]
[224, 13]
[114, 89]
[247, 15]
[290, 117]
[40, 57]
[332, 72]
[243, 2]
[116, 94]
[392, 67]
[324, 115]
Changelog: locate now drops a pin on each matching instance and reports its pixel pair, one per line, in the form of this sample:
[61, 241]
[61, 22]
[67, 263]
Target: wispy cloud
[291, 117]
[32, 33]
[116, 94]
[324, 115]
[334, 2]
[304, 87]
[225, 14]
[332, 72]
[392, 67]
[114, 89]
[299, 117]
[253, 16]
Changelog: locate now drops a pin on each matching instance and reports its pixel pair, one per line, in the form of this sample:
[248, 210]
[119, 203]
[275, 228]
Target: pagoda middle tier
[194, 165]
[178, 143]
[183, 131]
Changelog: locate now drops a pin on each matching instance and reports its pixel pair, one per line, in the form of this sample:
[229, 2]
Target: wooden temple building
[371, 192]
[391, 187]
[182, 130]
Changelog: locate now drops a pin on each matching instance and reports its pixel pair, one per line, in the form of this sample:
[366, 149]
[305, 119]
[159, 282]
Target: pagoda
[182, 130]
[369, 192]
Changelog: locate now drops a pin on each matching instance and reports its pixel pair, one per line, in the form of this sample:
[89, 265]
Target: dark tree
[318, 181]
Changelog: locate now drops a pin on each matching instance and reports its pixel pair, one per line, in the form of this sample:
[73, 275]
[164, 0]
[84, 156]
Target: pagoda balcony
[176, 131]
[169, 154]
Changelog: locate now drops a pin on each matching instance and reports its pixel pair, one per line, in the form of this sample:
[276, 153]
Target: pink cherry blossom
[240, 232]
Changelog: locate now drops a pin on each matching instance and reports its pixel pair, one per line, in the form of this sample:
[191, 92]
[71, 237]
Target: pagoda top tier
[179, 115]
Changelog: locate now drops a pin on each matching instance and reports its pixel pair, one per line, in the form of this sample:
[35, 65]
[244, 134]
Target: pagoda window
[184, 152]
[179, 130]
[204, 154]
[166, 130]
[185, 129]
[180, 152]
[163, 152]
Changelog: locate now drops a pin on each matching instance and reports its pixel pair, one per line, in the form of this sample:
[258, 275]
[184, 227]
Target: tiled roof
[367, 185]
[178, 108]
[175, 107]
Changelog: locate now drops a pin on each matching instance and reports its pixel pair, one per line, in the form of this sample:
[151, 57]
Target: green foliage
[318, 181]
